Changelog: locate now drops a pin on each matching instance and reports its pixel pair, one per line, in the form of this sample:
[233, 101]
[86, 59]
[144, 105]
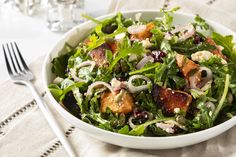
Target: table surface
[31, 32]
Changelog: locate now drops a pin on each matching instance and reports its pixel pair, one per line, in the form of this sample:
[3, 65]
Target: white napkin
[24, 131]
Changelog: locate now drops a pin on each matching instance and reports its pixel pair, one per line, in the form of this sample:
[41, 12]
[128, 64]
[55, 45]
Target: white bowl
[74, 36]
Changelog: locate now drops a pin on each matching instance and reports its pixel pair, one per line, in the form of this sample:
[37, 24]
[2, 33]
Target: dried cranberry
[158, 55]
[140, 116]
[192, 111]
[198, 39]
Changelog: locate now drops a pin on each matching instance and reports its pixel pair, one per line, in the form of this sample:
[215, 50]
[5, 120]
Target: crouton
[186, 65]
[144, 34]
[124, 105]
[169, 100]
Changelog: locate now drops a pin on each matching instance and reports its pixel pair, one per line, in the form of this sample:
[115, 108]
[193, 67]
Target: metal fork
[20, 74]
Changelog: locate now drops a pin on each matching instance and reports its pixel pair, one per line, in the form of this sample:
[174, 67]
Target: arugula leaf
[167, 19]
[223, 97]
[145, 69]
[124, 49]
[188, 47]
[196, 93]
[56, 91]
[202, 119]
[96, 41]
[79, 98]
[91, 18]
[145, 102]
[228, 44]
[157, 37]
[124, 130]
[201, 22]
[165, 74]
[100, 37]
[139, 130]
[68, 85]
[233, 89]
[59, 65]
[165, 46]
[109, 55]
[153, 130]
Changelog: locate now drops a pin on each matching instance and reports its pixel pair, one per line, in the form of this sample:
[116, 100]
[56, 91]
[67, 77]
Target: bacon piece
[144, 34]
[218, 49]
[169, 99]
[186, 65]
[125, 104]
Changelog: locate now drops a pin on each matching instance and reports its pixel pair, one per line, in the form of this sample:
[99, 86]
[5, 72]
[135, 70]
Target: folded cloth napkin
[24, 131]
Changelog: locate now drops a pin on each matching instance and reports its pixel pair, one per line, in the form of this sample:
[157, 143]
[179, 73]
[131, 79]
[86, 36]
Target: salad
[148, 78]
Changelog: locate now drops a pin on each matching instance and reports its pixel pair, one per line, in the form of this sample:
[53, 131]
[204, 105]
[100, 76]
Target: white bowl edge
[133, 141]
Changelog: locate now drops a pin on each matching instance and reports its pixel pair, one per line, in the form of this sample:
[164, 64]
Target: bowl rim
[223, 126]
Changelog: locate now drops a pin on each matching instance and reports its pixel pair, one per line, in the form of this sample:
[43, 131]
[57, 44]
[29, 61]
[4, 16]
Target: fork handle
[51, 120]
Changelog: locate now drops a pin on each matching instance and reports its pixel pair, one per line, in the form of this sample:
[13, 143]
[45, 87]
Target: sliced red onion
[135, 29]
[186, 31]
[196, 78]
[211, 106]
[57, 80]
[73, 71]
[134, 89]
[208, 76]
[144, 61]
[131, 124]
[96, 84]
[87, 63]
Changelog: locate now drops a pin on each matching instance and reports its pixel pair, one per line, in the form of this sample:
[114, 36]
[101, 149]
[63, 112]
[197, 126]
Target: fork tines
[14, 60]
[16, 66]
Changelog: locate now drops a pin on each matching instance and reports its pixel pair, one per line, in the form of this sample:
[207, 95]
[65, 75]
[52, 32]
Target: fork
[21, 74]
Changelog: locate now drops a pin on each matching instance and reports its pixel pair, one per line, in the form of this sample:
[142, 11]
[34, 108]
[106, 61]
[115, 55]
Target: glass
[27, 7]
[62, 15]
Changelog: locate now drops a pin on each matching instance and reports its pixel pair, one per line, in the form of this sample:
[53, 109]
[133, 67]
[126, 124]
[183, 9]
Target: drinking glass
[62, 15]
[27, 7]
